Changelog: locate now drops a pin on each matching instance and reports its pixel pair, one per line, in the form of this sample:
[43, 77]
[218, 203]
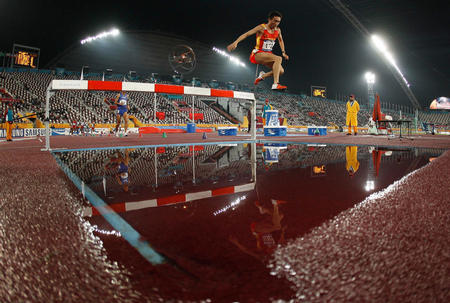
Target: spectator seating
[88, 106]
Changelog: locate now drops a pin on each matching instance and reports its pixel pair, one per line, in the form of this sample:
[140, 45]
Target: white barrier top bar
[181, 198]
[147, 87]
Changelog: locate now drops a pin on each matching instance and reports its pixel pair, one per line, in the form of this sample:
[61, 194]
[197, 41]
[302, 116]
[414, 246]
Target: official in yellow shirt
[352, 115]
[265, 108]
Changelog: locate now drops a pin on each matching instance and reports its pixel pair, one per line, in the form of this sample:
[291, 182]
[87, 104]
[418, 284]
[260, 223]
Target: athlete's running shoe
[260, 78]
[278, 86]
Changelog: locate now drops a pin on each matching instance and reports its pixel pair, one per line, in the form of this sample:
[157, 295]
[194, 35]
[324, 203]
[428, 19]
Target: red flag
[376, 109]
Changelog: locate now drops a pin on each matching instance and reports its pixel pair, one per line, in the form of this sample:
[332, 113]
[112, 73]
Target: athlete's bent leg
[276, 70]
[117, 123]
[125, 121]
[272, 61]
[270, 74]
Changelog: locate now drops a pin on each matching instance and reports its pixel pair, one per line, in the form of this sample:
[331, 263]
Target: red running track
[427, 141]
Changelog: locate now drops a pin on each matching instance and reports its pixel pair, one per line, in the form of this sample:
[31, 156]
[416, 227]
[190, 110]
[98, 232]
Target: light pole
[370, 79]
[108, 73]
[84, 69]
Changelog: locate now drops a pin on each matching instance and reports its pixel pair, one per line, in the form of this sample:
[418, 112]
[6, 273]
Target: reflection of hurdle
[90, 85]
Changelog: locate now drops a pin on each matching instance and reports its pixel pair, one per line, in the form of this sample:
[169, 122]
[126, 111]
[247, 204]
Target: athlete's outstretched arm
[283, 50]
[253, 31]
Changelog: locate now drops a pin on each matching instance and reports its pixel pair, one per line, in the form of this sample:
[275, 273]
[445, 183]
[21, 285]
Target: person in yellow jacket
[352, 115]
[9, 119]
[351, 157]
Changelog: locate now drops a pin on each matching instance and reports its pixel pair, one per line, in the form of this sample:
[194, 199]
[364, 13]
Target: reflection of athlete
[266, 35]
[265, 232]
[122, 110]
[121, 165]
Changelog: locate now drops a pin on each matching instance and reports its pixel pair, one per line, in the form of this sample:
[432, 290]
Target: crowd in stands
[210, 116]
[305, 110]
[87, 106]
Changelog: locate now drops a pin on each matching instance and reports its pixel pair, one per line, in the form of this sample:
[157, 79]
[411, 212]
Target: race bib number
[268, 45]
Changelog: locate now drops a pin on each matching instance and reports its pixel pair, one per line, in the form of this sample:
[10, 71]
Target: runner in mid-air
[266, 34]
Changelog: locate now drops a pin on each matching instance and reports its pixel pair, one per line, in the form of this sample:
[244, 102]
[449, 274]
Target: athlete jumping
[266, 34]
[122, 111]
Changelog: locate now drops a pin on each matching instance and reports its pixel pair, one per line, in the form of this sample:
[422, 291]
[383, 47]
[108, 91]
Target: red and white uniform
[264, 42]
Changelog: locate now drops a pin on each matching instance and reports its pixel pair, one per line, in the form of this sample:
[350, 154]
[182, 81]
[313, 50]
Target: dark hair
[275, 14]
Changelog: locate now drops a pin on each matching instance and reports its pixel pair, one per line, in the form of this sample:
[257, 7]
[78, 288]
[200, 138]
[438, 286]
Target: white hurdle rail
[93, 85]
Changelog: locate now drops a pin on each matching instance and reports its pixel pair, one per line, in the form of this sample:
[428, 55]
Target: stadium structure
[157, 218]
[143, 57]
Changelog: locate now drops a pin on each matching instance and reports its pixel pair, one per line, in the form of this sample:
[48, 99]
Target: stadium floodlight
[382, 47]
[233, 59]
[370, 77]
[114, 32]
[379, 43]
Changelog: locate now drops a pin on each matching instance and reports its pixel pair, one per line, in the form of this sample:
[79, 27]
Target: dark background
[325, 49]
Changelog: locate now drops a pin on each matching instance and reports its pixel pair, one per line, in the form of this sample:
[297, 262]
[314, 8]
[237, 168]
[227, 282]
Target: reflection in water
[120, 164]
[231, 206]
[264, 230]
[351, 157]
[271, 152]
[218, 212]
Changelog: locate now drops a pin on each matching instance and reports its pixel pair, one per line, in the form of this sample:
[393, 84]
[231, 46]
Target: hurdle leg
[253, 109]
[256, 73]
[48, 95]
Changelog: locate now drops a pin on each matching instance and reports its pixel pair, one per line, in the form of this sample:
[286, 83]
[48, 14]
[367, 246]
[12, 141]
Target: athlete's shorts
[254, 52]
[121, 110]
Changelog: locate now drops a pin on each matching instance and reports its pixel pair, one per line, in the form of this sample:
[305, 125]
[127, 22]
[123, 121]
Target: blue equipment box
[317, 130]
[275, 131]
[227, 131]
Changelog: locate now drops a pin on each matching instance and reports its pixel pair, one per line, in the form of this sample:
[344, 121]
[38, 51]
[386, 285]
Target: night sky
[325, 49]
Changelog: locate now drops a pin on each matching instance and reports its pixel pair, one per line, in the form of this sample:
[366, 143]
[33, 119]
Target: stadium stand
[90, 107]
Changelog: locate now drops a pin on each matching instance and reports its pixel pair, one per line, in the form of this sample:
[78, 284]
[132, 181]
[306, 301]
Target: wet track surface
[222, 247]
[292, 224]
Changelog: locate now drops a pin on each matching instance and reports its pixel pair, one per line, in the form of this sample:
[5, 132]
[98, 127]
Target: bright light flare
[233, 59]
[370, 185]
[382, 47]
[370, 77]
[379, 43]
[232, 205]
[114, 32]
